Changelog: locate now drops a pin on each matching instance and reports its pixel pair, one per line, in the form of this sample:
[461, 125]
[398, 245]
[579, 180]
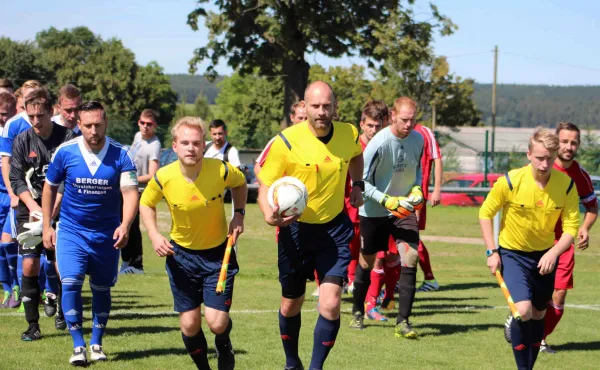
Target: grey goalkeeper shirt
[392, 166]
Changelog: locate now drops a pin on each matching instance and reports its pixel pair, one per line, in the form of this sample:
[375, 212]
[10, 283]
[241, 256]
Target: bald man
[320, 153]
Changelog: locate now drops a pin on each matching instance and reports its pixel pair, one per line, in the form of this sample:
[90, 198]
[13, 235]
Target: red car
[474, 180]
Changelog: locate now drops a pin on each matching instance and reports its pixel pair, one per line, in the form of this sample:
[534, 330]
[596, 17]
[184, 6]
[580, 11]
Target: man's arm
[131, 198]
[48, 200]
[234, 157]
[152, 168]
[239, 195]
[14, 200]
[355, 169]
[17, 176]
[589, 219]
[436, 196]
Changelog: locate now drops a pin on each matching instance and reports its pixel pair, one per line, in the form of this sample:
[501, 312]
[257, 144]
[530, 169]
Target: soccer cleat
[301, 367]
[5, 300]
[130, 270]
[374, 314]
[544, 347]
[225, 357]
[388, 304]
[50, 305]
[79, 357]
[96, 353]
[315, 293]
[21, 308]
[15, 298]
[351, 288]
[124, 265]
[507, 324]
[32, 333]
[357, 321]
[59, 322]
[428, 286]
[404, 329]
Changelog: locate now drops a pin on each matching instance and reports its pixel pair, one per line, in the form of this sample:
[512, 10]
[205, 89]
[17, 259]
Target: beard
[320, 124]
[562, 157]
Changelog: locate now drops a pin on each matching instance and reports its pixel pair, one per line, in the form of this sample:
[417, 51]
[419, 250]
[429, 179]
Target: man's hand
[161, 245]
[274, 218]
[121, 235]
[400, 207]
[14, 201]
[583, 238]
[547, 262]
[494, 262]
[49, 238]
[34, 208]
[32, 237]
[236, 226]
[436, 198]
[356, 198]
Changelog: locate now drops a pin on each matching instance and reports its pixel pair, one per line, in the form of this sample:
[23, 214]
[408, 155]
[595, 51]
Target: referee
[320, 153]
[532, 200]
[193, 188]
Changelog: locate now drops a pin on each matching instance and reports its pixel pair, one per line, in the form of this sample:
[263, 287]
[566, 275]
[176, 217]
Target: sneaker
[357, 321]
[507, 324]
[350, 288]
[79, 357]
[374, 314]
[225, 357]
[5, 299]
[428, 286]
[315, 293]
[59, 322]
[130, 270]
[15, 298]
[388, 304]
[50, 305]
[96, 353]
[544, 347]
[124, 265]
[32, 333]
[404, 329]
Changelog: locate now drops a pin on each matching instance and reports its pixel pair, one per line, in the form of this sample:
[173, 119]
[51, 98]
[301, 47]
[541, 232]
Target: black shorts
[38, 250]
[304, 248]
[376, 231]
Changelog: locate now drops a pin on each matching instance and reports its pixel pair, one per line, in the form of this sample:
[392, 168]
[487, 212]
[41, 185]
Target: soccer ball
[289, 194]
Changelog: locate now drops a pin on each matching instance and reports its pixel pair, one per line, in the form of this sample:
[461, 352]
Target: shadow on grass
[179, 351]
[144, 316]
[120, 306]
[421, 298]
[451, 329]
[578, 346]
[451, 307]
[467, 286]
[133, 330]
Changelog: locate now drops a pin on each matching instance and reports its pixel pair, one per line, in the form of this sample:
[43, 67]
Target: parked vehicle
[467, 181]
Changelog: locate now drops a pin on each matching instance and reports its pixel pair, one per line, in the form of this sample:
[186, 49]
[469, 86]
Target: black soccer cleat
[226, 357]
[50, 306]
[59, 322]
[32, 333]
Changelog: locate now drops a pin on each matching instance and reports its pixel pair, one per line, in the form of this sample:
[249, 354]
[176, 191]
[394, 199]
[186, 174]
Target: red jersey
[352, 212]
[584, 188]
[262, 157]
[431, 151]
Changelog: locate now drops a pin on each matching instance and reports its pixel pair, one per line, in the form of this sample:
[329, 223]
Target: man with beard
[319, 152]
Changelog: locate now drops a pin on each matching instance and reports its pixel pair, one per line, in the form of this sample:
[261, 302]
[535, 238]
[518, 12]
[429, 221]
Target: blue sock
[325, 333]
[537, 333]
[520, 335]
[73, 307]
[289, 329]
[51, 277]
[20, 270]
[197, 348]
[42, 275]
[100, 310]
[4, 271]
[11, 251]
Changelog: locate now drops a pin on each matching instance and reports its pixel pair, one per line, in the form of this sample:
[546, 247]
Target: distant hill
[191, 86]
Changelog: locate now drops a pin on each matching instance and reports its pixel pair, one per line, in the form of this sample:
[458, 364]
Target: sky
[549, 42]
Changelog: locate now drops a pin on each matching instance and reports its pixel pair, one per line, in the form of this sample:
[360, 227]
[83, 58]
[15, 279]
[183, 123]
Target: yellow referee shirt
[196, 208]
[321, 167]
[529, 214]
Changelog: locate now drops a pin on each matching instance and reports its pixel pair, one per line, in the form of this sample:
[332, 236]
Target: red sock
[392, 274]
[424, 261]
[554, 313]
[377, 276]
[352, 271]
[317, 278]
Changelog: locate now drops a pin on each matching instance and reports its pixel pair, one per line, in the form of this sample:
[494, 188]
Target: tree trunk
[295, 81]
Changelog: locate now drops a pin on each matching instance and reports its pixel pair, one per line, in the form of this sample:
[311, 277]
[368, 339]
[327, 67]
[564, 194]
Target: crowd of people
[71, 199]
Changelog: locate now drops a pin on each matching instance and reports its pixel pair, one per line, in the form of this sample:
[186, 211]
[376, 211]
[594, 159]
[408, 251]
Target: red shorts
[392, 248]
[355, 242]
[423, 217]
[564, 269]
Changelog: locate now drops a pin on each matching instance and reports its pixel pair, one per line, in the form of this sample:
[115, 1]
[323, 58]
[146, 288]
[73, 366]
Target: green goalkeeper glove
[416, 197]
[398, 206]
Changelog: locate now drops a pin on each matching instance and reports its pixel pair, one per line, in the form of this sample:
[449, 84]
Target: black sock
[31, 298]
[537, 333]
[362, 280]
[520, 336]
[289, 329]
[222, 340]
[197, 348]
[324, 338]
[408, 282]
[59, 312]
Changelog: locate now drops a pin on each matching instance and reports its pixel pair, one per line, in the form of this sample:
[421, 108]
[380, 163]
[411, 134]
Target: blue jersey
[12, 128]
[2, 185]
[92, 197]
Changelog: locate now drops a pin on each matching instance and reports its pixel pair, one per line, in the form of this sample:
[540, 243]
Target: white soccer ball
[289, 194]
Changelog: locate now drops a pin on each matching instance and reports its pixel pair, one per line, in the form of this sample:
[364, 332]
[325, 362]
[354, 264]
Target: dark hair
[39, 96]
[149, 113]
[6, 98]
[91, 106]
[569, 127]
[68, 91]
[376, 110]
[216, 123]
[5, 82]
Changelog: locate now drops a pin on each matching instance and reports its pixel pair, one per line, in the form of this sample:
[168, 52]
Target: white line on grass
[254, 312]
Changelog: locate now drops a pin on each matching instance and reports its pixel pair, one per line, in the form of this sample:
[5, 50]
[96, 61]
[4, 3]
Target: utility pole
[494, 103]
[433, 118]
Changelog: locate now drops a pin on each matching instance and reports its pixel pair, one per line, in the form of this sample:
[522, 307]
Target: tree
[20, 61]
[274, 36]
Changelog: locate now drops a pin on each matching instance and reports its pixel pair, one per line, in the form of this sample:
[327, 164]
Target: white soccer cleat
[79, 357]
[315, 293]
[96, 353]
[544, 347]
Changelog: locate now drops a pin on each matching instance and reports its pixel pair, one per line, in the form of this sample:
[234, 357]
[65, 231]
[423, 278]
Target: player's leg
[30, 287]
[133, 251]
[391, 270]
[186, 286]
[543, 287]
[377, 281]
[51, 288]
[406, 233]
[429, 282]
[5, 275]
[332, 265]
[11, 251]
[354, 253]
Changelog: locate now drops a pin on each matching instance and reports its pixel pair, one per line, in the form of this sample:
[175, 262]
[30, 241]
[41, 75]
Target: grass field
[460, 325]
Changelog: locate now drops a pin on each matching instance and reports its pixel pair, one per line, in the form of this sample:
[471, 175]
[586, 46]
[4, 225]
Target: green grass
[460, 326]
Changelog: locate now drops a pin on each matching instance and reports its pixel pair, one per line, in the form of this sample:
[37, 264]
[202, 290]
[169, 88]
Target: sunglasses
[144, 123]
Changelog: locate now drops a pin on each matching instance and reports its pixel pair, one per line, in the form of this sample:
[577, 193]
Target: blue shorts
[8, 216]
[304, 248]
[81, 252]
[523, 279]
[193, 275]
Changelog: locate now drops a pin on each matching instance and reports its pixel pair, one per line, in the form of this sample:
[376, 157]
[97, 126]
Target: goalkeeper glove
[398, 206]
[29, 239]
[416, 197]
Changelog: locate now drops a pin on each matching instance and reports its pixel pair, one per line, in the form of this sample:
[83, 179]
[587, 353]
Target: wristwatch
[489, 252]
[240, 211]
[360, 184]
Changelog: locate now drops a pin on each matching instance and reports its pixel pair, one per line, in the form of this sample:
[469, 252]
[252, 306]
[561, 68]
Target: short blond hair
[193, 122]
[404, 101]
[545, 137]
[32, 84]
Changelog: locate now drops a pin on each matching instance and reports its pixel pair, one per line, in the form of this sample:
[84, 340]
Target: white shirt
[233, 156]
[58, 120]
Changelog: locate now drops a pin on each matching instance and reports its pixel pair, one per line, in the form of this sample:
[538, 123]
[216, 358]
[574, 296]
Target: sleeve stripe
[226, 171]
[372, 165]
[510, 186]
[157, 182]
[435, 149]
[50, 182]
[285, 140]
[570, 186]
